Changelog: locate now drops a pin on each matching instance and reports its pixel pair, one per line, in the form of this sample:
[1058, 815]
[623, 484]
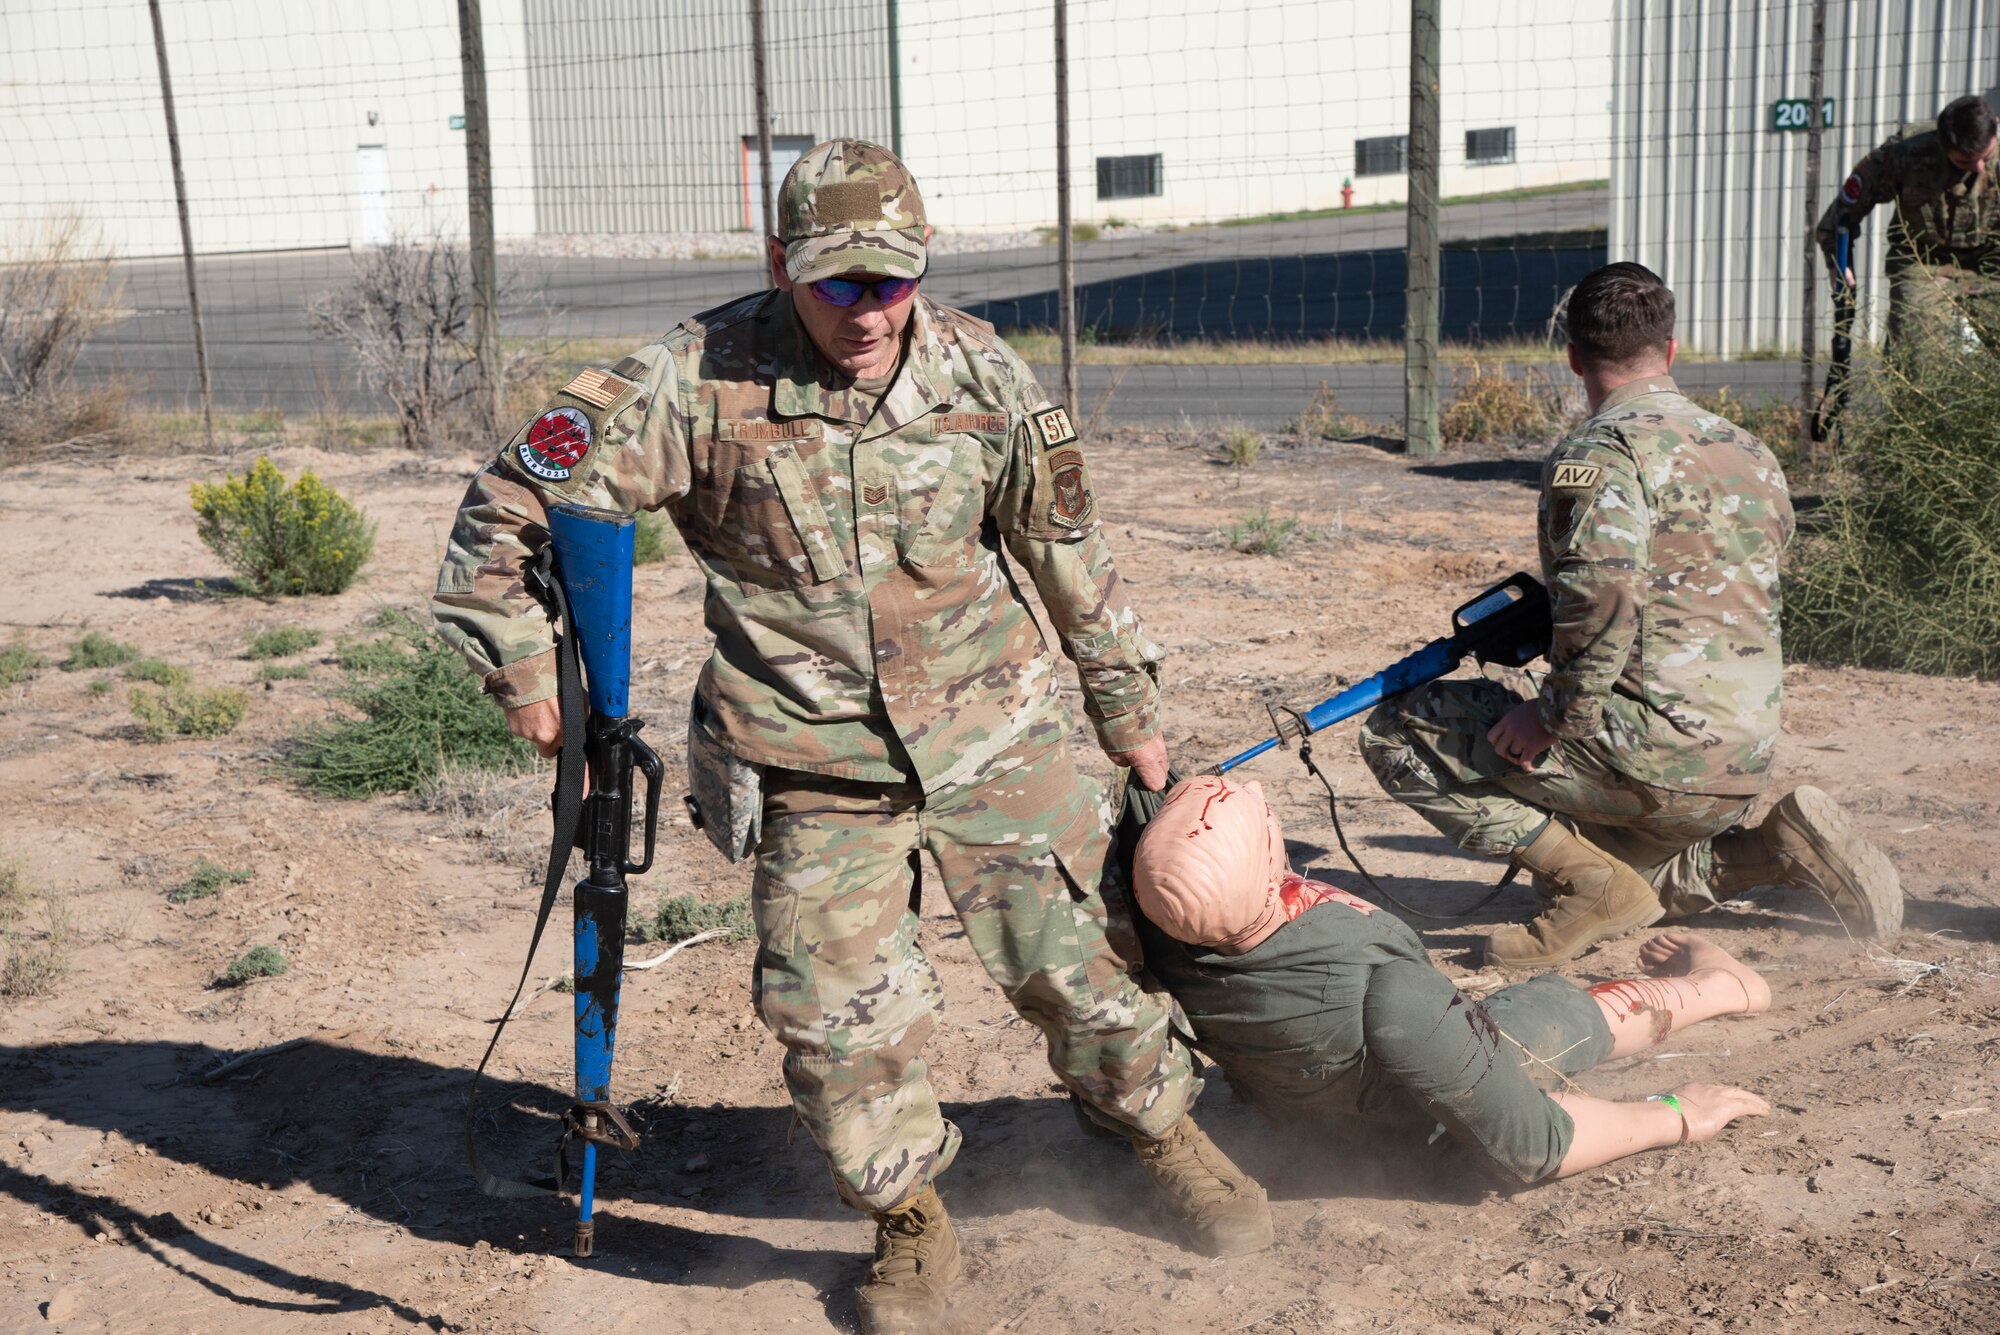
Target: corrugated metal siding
[639, 107]
[1704, 192]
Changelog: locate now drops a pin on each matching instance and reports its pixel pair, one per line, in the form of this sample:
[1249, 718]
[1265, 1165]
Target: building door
[785, 150]
[371, 163]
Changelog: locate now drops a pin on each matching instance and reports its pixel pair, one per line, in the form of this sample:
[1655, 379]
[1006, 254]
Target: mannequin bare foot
[1683, 955]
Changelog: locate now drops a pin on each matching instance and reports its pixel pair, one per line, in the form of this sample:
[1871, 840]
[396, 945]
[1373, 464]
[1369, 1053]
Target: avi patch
[1070, 503]
[1574, 475]
[1053, 426]
[555, 444]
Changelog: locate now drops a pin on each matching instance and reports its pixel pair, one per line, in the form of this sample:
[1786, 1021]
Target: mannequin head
[1207, 869]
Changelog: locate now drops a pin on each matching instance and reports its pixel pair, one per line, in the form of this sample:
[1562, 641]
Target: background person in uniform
[1320, 1008]
[1622, 783]
[1944, 236]
[845, 460]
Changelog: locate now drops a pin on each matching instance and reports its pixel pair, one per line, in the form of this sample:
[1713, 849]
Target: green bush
[654, 540]
[97, 651]
[283, 672]
[387, 654]
[257, 962]
[101, 687]
[189, 711]
[18, 663]
[283, 642]
[157, 671]
[205, 879]
[1900, 568]
[1263, 533]
[423, 710]
[296, 539]
[678, 917]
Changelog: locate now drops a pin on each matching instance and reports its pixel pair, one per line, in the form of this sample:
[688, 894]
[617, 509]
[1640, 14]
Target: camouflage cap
[850, 205]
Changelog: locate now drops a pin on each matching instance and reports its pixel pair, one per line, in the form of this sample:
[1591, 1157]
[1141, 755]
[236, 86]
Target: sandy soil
[322, 1187]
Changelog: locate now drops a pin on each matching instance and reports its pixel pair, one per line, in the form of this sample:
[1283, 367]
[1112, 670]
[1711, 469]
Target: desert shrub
[1241, 446]
[1900, 568]
[1325, 419]
[157, 671]
[406, 315]
[33, 964]
[654, 540]
[1487, 404]
[97, 651]
[1263, 533]
[302, 538]
[101, 687]
[257, 962]
[18, 662]
[384, 654]
[678, 917]
[282, 642]
[422, 709]
[205, 879]
[56, 291]
[16, 891]
[283, 672]
[189, 711]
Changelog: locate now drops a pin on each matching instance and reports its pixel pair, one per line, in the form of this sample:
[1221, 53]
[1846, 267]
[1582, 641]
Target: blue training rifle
[583, 577]
[1833, 394]
[1508, 625]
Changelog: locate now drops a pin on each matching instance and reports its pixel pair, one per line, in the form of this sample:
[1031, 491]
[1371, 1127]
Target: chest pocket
[948, 532]
[765, 521]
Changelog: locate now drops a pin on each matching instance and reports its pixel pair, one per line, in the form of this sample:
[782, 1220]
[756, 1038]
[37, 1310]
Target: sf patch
[1070, 502]
[555, 444]
[1053, 426]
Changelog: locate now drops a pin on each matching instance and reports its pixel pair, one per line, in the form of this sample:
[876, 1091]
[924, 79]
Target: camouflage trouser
[843, 984]
[1934, 307]
[1428, 748]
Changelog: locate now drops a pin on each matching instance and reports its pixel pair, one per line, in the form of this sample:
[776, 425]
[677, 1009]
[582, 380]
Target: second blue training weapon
[1507, 625]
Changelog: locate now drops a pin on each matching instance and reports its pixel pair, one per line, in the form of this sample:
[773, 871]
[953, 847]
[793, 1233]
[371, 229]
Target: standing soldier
[1621, 785]
[1947, 220]
[845, 459]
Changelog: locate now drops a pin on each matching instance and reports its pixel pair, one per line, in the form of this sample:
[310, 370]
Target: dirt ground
[322, 1187]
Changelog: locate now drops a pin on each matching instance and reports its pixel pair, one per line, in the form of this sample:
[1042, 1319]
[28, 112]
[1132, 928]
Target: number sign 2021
[1794, 113]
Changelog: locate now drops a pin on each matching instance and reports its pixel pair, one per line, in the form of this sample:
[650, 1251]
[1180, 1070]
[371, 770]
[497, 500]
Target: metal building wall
[1707, 194]
[639, 107]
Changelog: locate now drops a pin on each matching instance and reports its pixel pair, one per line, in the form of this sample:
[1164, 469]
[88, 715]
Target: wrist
[1680, 1132]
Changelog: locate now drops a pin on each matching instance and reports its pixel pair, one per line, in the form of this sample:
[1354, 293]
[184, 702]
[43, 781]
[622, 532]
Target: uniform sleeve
[1874, 180]
[1595, 534]
[1045, 509]
[613, 439]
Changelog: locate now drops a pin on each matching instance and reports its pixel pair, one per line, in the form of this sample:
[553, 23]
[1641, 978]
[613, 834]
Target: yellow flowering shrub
[301, 538]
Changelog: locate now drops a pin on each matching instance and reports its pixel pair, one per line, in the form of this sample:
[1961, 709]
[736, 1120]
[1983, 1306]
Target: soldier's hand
[540, 723]
[1519, 736]
[1149, 762]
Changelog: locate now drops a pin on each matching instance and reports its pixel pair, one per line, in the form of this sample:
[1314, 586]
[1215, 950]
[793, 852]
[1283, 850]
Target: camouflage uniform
[1661, 527]
[875, 657]
[1944, 237]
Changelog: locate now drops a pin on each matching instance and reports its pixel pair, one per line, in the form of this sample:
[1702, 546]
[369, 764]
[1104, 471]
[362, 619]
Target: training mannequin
[1315, 1002]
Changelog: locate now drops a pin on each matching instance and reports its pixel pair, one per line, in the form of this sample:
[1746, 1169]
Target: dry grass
[505, 815]
[1491, 405]
[56, 292]
[1241, 446]
[32, 959]
[1325, 419]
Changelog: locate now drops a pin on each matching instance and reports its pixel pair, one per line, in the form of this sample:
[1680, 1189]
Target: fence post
[895, 81]
[1420, 330]
[187, 233]
[770, 221]
[1065, 243]
[1808, 321]
[479, 210]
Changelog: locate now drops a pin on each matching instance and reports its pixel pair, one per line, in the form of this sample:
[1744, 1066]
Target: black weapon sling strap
[543, 583]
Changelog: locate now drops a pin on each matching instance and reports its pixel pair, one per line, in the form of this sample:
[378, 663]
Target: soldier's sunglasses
[847, 291]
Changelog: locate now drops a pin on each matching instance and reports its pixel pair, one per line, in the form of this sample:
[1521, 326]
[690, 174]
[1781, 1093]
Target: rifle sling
[568, 804]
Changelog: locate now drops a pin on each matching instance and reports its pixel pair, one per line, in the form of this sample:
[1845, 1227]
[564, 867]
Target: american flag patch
[600, 388]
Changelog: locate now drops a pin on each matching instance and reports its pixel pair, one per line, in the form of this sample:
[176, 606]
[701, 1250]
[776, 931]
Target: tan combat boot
[916, 1263]
[1597, 897]
[1807, 843]
[1219, 1209]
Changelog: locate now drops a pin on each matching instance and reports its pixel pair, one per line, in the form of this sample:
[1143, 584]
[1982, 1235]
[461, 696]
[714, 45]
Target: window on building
[1483, 147]
[1132, 177]
[1383, 156]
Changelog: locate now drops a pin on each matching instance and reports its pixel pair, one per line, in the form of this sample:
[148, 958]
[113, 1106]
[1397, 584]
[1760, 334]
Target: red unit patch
[556, 443]
[1851, 191]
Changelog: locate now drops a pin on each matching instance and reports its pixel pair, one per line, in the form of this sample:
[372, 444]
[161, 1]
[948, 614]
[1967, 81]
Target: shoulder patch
[1053, 426]
[555, 444]
[1851, 191]
[1071, 505]
[1575, 475]
[600, 388]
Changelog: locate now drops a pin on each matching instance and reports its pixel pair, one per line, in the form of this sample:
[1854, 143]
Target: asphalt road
[1339, 275]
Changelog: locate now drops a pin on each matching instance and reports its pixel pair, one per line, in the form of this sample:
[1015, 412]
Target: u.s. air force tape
[1571, 475]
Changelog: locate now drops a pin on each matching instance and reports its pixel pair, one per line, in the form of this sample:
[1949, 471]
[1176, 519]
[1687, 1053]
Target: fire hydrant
[1347, 192]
